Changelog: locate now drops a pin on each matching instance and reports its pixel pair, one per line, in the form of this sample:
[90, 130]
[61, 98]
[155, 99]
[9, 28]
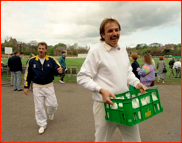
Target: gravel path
[74, 118]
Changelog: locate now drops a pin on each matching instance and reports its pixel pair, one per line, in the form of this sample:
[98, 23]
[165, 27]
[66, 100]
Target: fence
[71, 73]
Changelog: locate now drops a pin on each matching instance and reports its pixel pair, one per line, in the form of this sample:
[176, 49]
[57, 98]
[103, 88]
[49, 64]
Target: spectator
[146, 72]
[31, 55]
[107, 71]
[134, 66]
[63, 65]
[12, 73]
[171, 64]
[153, 62]
[177, 67]
[41, 70]
[160, 67]
[15, 65]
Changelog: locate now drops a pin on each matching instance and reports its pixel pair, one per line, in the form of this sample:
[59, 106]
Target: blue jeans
[17, 80]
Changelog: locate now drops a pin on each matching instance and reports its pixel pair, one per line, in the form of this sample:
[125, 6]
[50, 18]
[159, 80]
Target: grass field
[79, 61]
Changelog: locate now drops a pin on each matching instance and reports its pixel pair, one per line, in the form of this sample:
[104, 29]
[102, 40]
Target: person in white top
[153, 62]
[106, 72]
[177, 67]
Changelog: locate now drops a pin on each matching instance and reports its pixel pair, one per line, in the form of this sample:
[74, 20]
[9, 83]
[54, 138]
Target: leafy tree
[59, 44]
[50, 51]
[74, 52]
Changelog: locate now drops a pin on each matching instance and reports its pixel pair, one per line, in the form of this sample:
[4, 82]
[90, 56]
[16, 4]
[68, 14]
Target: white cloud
[78, 22]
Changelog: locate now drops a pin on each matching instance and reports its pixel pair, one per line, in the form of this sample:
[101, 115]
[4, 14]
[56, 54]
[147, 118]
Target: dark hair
[134, 56]
[161, 58]
[42, 43]
[104, 22]
[16, 52]
[63, 52]
[147, 58]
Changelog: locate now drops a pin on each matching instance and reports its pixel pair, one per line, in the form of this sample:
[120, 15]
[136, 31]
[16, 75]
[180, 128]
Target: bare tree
[33, 43]
[7, 38]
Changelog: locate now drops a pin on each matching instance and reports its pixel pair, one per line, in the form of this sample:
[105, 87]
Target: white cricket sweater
[108, 68]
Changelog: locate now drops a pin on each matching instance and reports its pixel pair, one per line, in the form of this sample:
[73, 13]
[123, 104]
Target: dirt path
[74, 119]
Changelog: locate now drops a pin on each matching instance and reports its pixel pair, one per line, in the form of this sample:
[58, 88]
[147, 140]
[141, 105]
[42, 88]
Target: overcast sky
[79, 22]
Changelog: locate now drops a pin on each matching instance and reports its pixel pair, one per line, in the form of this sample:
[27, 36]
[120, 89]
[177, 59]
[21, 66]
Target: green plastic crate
[127, 115]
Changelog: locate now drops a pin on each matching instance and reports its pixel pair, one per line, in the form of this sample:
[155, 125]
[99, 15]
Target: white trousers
[104, 129]
[41, 95]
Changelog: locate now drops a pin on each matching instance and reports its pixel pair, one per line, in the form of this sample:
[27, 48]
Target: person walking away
[41, 70]
[63, 65]
[134, 66]
[12, 74]
[15, 65]
[160, 67]
[171, 64]
[106, 72]
[177, 67]
[146, 72]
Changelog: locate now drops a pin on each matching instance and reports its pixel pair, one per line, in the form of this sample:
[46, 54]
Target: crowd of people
[107, 65]
[147, 72]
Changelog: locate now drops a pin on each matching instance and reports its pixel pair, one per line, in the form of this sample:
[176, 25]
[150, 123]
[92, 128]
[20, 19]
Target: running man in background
[63, 65]
[41, 70]
[106, 72]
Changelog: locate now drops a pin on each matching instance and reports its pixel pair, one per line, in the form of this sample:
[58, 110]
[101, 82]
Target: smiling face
[111, 34]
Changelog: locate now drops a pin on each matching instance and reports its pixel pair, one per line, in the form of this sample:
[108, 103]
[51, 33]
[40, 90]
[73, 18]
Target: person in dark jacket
[15, 65]
[12, 73]
[171, 63]
[134, 65]
[63, 65]
[41, 70]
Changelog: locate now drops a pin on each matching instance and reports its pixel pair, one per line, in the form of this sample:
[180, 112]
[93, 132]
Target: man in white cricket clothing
[106, 72]
[41, 70]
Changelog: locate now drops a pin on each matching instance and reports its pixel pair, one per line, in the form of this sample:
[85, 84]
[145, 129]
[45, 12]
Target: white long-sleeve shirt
[108, 68]
[177, 64]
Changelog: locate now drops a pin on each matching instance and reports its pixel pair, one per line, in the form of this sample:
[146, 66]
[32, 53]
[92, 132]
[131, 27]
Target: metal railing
[71, 74]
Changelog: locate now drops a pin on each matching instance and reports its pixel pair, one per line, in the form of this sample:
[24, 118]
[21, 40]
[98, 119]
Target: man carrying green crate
[106, 72]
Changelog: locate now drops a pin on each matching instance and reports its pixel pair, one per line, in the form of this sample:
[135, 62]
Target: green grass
[79, 61]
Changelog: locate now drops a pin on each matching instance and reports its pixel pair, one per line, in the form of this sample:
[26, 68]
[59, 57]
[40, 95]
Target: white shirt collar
[108, 47]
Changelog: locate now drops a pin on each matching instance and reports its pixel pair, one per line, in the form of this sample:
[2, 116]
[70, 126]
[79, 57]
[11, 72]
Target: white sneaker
[51, 117]
[41, 130]
[163, 82]
[61, 81]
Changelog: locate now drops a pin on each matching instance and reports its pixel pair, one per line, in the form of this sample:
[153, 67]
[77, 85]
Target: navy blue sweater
[135, 65]
[41, 74]
[15, 64]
